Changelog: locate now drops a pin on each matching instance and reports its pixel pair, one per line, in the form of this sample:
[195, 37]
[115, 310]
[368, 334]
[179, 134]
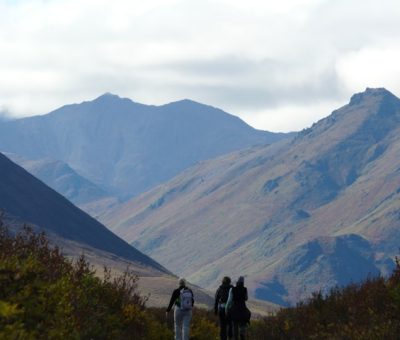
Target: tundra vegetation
[44, 295]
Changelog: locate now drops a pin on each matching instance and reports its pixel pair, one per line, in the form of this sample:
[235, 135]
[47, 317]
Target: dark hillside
[26, 197]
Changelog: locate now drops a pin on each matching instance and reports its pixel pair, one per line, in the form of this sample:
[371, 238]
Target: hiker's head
[182, 282]
[226, 280]
[240, 281]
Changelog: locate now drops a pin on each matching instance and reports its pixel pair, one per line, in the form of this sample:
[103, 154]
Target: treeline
[43, 295]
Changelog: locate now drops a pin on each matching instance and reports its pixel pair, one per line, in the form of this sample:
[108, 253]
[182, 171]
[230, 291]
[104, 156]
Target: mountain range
[296, 216]
[43, 145]
[109, 149]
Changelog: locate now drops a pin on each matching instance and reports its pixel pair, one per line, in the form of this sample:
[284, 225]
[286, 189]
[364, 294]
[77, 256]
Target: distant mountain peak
[370, 93]
[381, 104]
[108, 96]
[185, 102]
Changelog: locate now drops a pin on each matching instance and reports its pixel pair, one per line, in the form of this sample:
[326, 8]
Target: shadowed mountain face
[320, 210]
[27, 198]
[125, 148]
[62, 178]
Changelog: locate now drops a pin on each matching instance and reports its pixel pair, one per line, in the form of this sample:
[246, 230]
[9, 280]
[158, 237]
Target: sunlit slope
[295, 216]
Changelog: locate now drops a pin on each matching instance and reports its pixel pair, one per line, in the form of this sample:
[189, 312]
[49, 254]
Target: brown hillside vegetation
[45, 296]
[154, 284]
[369, 310]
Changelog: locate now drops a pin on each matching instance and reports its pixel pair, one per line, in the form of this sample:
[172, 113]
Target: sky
[279, 65]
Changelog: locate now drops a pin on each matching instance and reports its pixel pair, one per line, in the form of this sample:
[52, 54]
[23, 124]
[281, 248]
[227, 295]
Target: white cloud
[375, 66]
[290, 117]
[264, 58]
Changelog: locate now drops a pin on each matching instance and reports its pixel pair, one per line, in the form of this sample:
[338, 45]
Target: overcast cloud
[279, 65]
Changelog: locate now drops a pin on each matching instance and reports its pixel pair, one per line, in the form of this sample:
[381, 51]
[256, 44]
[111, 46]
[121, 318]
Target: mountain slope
[252, 212]
[27, 198]
[63, 179]
[126, 148]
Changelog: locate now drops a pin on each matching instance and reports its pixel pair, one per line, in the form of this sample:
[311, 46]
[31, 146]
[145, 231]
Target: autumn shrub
[368, 310]
[43, 295]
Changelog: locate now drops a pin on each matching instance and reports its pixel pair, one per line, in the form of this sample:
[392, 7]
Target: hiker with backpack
[221, 298]
[236, 309]
[183, 300]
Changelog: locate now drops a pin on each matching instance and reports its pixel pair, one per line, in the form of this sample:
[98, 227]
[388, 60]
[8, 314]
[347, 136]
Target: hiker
[182, 299]
[221, 298]
[236, 309]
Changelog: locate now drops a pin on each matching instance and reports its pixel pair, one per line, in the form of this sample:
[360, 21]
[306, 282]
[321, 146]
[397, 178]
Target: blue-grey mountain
[125, 148]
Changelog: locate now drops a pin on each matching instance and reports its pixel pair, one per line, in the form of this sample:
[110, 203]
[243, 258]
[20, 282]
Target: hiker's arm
[216, 302]
[174, 296]
[246, 296]
[229, 302]
[192, 298]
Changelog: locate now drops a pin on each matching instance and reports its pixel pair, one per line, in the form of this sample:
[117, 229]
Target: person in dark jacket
[182, 310]
[237, 310]
[221, 298]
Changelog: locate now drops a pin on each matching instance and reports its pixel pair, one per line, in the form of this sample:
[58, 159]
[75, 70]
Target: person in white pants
[182, 310]
[182, 323]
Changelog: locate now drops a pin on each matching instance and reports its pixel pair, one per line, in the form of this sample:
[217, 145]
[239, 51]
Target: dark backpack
[224, 293]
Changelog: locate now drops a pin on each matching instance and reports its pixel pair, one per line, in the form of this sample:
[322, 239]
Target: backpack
[224, 293]
[186, 299]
